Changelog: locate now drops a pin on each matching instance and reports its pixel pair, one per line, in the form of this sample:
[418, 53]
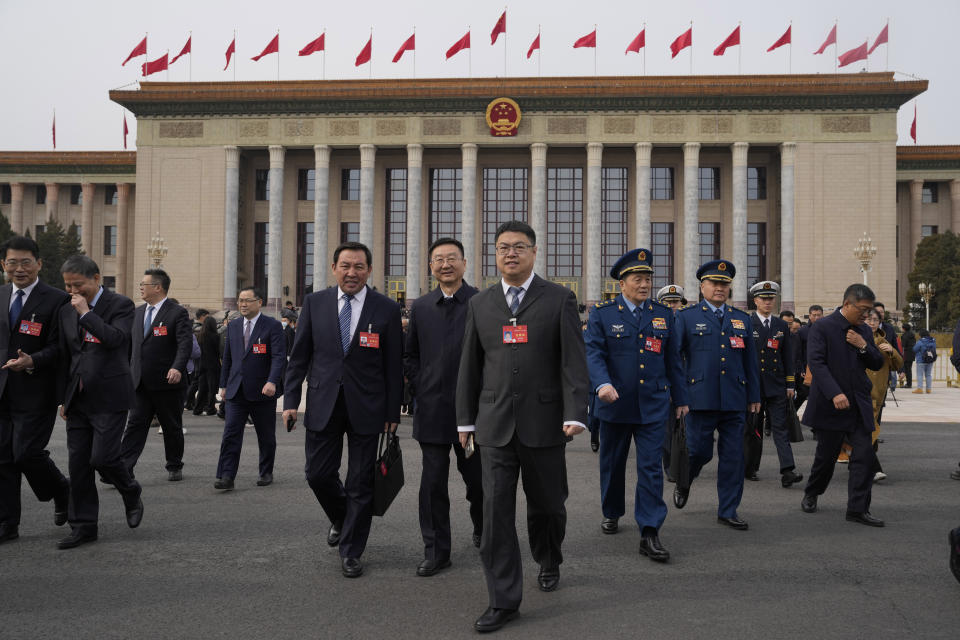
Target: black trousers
[350, 502]
[263, 413]
[544, 473]
[860, 481]
[775, 408]
[908, 371]
[435, 496]
[167, 406]
[190, 396]
[208, 379]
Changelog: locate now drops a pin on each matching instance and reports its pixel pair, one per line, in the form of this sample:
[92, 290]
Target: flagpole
[323, 65]
[644, 48]
[836, 46]
[168, 65]
[234, 55]
[594, 49]
[504, 43]
[469, 58]
[55, 124]
[539, 51]
[691, 47]
[886, 66]
[278, 54]
[739, 50]
[414, 51]
[790, 55]
[146, 50]
[190, 59]
[371, 53]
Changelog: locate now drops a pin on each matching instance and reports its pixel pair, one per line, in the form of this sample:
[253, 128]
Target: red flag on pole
[183, 52]
[831, 39]
[535, 45]
[589, 41]
[683, 41]
[408, 45]
[732, 40]
[160, 64]
[125, 131]
[365, 54]
[500, 27]
[637, 43]
[272, 47]
[459, 45]
[913, 128]
[139, 50]
[784, 39]
[230, 51]
[881, 39]
[54, 130]
[857, 53]
[313, 47]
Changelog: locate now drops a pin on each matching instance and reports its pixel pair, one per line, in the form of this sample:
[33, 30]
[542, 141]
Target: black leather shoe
[609, 525]
[224, 484]
[790, 477]
[8, 532]
[135, 514]
[650, 546]
[734, 523]
[752, 476]
[175, 475]
[549, 578]
[594, 441]
[476, 540]
[76, 538]
[954, 538]
[809, 503]
[333, 534]
[680, 495]
[351, 567]
[864, 518]
[493, 619]
[61, 503]
[265, 480]
[428, 568]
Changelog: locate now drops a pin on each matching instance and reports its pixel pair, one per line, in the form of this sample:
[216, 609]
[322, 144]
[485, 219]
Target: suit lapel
[32, 302]
[363, 322]
[536, 289]
[5, 293]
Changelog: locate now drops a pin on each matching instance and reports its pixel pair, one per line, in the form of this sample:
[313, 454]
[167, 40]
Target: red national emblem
[503, 117]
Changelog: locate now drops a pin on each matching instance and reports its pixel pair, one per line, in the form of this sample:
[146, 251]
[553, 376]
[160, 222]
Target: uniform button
[516, 370]
[641, 366]
[762, 369]
[516, 395]
[692, 380]
[641, 335]
[641, 350]
[722, 372]
[722, 333]
[723, 359]
[723, 346]
[641, 382]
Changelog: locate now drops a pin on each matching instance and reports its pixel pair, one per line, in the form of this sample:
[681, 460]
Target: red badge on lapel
[369, 340]
[30, 328]
[514, 334]
[259, 347]
[159, 331]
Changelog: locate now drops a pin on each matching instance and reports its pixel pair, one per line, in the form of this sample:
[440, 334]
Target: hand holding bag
[387, 473]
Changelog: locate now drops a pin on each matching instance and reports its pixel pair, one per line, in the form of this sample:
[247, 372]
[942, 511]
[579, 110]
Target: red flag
[125, 131]
[139, 50]
[184, 51]
[732, 40]
[365, 53]
[160, 64]
[54, 130]
[913, 128]
[534, 46]
[589, 40]
[881, 39]
[408, 45]
[683, 41]
[637, 43]
[500, 27]
[313, 47]
[459, 45]
[272, 47]
[232, 49]
[831, 39]
[784, 39]
[857, 53]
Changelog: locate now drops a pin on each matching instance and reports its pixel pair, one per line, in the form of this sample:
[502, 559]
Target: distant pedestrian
[907, 340]
[879, 379]
[925, 351]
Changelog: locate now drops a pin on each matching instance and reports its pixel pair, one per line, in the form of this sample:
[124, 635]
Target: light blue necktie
[15, 309]
[345, 321]
[515, 301]
[148, 321]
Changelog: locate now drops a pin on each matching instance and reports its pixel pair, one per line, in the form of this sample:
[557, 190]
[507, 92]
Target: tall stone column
[691, 218]
[955, 206]
[538, 203]
[321, 215]
[123, 206]
[231, 227]
[53, 198]
[593, 228]
[916, 220]
[275, 231]
[415, 255]
[368, 155]
[469, 222]
[641, 232]
[86, 218]
[740, 284]
[16, 207]
[788, 297]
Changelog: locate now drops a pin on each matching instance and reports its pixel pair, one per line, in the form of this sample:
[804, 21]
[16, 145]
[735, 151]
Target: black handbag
[679, 455]
[387, 473]
[794, 431]
[753, 441]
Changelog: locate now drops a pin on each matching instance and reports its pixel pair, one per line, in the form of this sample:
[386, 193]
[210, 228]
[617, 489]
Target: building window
[110, 283]
[5, 195]
[350, 184]
[613, 215]
[661, 183]
[306, 181]
[304, 260]
[110, 195]
[395, 221]
[756, 183]
[38, 229]
[930, 194]
[349, 232]
[564, 222]
[41, 194]
[709, 241]
[261, 255]
[504, 199]
[709, 183]
[110, 240]
[661, 244]
[262, 185]
[445, 204]
[756, 252]
[928, 230]
[76, 194]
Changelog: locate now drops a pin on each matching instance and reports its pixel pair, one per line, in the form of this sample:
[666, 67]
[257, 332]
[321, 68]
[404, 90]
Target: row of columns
[916, 215]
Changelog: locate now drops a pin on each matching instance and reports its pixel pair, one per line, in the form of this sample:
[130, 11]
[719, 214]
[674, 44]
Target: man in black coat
[28, 385]
[431, 360]
[162, 340]
[840, 348]
[97, 393]
[907, 340]
[814, 313]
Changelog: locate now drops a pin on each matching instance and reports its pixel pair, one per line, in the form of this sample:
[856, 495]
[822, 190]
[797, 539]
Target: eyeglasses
[247, 300]
[519, 248]
[13, 264]
[440, 261]
[147, 284]
[863, 310]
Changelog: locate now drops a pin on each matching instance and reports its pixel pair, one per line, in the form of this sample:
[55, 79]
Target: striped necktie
[345, 321]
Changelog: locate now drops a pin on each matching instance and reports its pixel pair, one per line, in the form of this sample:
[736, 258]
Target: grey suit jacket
[527, 389]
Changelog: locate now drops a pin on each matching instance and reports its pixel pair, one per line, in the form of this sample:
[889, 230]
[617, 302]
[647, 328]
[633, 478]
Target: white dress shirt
[356, 306]
[27, 290]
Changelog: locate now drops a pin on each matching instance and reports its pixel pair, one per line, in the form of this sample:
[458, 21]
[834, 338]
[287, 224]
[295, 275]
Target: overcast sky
[66, 55]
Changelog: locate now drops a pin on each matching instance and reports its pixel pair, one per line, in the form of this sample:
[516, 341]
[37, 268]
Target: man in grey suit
[522, 394]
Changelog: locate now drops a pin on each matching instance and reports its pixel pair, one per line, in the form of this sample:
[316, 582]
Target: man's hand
[572, 429]
[173, 376]
[22, 362]
[856, 339]
[63, 414]
[288, 415]
[885, 347]
[269, 389]
[79, 303]
[754, 407]
[790, 394]
[840, 401]
[390, 427]
[464, 436]
[222, 392]
[683, 410]
[608, 394]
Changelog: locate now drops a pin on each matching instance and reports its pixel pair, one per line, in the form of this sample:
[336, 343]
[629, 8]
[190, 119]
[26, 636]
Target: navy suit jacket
[153, 356]
[776, 365]
[242, 368]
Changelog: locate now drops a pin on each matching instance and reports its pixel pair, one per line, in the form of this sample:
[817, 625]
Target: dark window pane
[564, 205]
[262, 186]
[350, 184]
[709, 183]
[661, 244]
[304, 260]
[930, 194]
[756, 183]
[395, 220]
[306, 180]
[349, 232]
[445, 204]
[709, 241]
[504, 199]
[661, 183]
[756, 252]
[110, 240]
[261, 254]
[41, 194]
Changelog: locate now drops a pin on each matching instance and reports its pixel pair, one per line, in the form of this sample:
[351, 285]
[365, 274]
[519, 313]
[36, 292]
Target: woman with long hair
[209, 370]
[892, 361]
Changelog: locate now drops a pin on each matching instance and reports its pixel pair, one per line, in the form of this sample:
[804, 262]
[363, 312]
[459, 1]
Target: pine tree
[937, 262]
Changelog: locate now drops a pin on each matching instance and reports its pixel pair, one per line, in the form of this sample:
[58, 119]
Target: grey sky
[67, 55]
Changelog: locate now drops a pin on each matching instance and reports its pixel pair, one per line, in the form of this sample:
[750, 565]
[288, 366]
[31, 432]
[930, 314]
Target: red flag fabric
[230, 51]
[589, 40]
[125, 131]
[913, 128]
[500, 27]
[139, 50]
[831, 39]
[160, 64]
[732, 41]
[784, 39]
[459, 45]
[637, 43]
[881, 39]
[365, 54]
[408, 45]
[272, 47]
[534, 46]
[54, 130]
[313, 47]
[183, 52]
[857, 53]
[683, 41]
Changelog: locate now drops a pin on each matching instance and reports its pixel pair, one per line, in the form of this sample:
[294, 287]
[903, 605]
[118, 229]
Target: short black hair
[256, 292]
[353, 246]
[906, 326]
[787, 314]
[924, 333]
[201, 313]
[815, 307]
[288, 302]
[857, 292]
[517, 226]
[81, 265]
[442, 241]
[20, 243]
[161, 275]
[879, 304]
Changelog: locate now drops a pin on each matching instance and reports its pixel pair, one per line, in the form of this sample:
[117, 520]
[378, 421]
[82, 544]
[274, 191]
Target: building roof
[74, 162]
[914, 157]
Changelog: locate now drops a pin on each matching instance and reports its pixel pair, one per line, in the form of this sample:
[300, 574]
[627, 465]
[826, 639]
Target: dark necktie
[247, 330]
[148, 321]
[515, 299]
[636, 314]
[345, 321]
[15, 309]
[766, 324]
[719, 314]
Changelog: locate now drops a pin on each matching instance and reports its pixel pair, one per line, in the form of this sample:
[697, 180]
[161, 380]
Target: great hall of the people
[256, 183]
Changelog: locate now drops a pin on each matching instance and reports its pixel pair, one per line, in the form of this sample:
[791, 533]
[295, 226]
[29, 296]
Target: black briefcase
[753, 441]
[387, 473]
[679, 455]
[794, 431]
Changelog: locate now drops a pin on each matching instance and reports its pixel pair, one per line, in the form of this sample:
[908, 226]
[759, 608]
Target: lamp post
[864, 252]
[157, 250]
[926, 292]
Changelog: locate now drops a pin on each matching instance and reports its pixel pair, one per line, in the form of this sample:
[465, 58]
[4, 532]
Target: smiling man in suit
[28, 385]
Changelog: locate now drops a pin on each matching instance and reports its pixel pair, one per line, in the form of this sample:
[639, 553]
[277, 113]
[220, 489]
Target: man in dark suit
[840, 349]
[162, 340]
[522, 392]
[97, 393]
[431, 361]
[251, 380]
[814, 313]
[28, 385]
[349, 348]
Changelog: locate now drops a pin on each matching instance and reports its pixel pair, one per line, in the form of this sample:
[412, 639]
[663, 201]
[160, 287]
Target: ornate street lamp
[926, 292]
[864, 252]
[157, 250]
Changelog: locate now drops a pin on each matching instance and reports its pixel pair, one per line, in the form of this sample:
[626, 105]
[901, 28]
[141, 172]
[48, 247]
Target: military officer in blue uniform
[634, 362]
[722, 383]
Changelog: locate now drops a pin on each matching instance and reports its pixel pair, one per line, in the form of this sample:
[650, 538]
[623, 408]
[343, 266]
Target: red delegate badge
[30, 328]
[736, 342]
[652, 344]
[773, 343]
[259, 347]
[89, 337]
[369, 340]
[514, 334]
[159, 331]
